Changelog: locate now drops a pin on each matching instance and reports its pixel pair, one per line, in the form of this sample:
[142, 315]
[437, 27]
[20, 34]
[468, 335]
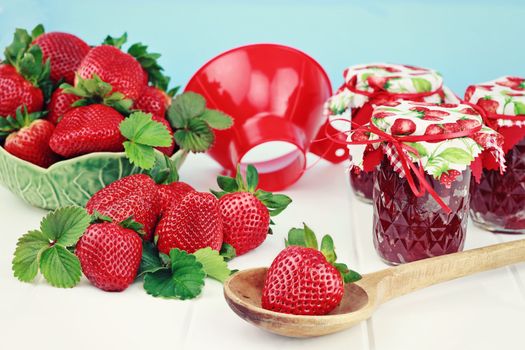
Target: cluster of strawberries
[60, 98]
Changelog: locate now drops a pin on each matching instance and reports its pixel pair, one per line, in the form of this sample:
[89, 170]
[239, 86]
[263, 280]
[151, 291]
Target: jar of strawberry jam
[498, 200]
[372, 84]
[421, 186]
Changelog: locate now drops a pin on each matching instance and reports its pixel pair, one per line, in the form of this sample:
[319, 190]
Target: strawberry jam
[498, 202]
[408, 228]
[363, 184]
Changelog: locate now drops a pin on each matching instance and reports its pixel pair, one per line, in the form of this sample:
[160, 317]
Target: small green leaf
[216, 119]
[65, 225]
[421, 84]
[239, 179]
[151, 261]
[184, 107]
[27, 255]
[140, 155]
[227, 184]
[140, 128]
[196, 137]
[310, 239]
[456, 155]
[328, 249]
[213, 264]
[348, 275]
[184, 281]
[118, 42]
[60, 267]
[131, 224]
[421, 150]
[228, 252]
[303, 237]
[519, 107]
[252, 178]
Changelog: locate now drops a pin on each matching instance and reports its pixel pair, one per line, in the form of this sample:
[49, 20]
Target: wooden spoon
[243, 290]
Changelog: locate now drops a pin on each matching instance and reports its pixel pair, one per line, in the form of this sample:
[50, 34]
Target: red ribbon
[398, 143]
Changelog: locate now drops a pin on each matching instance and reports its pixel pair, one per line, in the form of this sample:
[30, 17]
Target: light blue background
[467, 41]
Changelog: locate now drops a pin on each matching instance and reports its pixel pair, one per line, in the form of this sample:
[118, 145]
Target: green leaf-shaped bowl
[69, 182]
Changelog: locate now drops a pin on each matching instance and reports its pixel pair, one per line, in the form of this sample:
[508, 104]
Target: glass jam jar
[409, 228]
[422, 175]
[368, 85]
[498, 200]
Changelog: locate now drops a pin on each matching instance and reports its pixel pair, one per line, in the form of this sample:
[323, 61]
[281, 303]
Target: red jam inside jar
[362, 183]
[498, 202]
[408, 228]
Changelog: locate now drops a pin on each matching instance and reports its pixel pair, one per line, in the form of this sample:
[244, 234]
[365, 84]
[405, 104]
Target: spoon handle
[407, 278]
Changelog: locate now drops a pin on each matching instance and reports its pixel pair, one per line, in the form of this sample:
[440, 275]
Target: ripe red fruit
[121, 70]
[28, 138]
[514, 83]
[172, 194]
[245, 221]
[87, 129]
[153, 100]
[488, 105]
[134, 195]
[469, 111]
[109, 255]
[451, 127]
[301, 281]
[434, 129]
[403, 127]
[468, 124]
[64, 51]
[16, 91]
[193, 224]
[60, 103]
[382, 114]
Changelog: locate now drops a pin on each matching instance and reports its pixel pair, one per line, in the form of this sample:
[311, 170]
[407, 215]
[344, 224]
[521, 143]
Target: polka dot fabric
[300, 281]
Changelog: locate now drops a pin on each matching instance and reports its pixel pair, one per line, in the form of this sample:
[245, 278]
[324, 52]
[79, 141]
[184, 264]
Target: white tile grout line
[514, 272]
[368, 324]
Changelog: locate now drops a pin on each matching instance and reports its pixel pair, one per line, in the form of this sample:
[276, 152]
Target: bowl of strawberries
[75, 118]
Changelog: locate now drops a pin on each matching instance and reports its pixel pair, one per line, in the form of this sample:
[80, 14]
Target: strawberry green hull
[68, 182]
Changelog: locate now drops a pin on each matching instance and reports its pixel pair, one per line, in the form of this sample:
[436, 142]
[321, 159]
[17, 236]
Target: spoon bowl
[243, 290]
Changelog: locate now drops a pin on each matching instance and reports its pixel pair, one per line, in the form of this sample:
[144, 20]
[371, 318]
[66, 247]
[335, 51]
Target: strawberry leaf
[140, 155]
[328, 249]
[348, 275]
[303, 237]
[216, 119]
[252, 178]
[421, 84]
[195, 137]
[148, 61]
[131, 224]
[213, 264]
[184, 107]
[166, 173]
[519, 108]
[60, 267]
[65, 225]
[227, 184]
[151, 261]
[27, 255]
[140, 128]
[184, 280]
[228, 252]
[118, 42]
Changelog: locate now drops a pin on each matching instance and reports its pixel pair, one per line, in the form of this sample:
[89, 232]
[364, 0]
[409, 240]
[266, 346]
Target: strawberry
[24, 76]
[64, 51]
[434, 129]
[134, 195]
[383, 114]
[360, 135]
[451, 127]
[153, 100]
[87, 129]
[110, 255]
[514, 83]
[403, 126]
[488, 105]
[60, 103]
[469, 111]
[448, 177]
[304, 281]
[430, 114]
[28, 138]
[172, 194]
[468, 124]
[119, 69]
[246, 211]
[193, 224]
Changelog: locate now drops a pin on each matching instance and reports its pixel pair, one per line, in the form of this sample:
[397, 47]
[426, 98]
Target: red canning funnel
[273, 93]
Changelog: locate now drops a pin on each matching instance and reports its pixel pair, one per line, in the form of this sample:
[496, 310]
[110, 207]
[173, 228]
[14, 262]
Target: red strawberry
[121, 70]
[435, 115]
[60, 103]
[153, 100]
[246, 221]
[168, 151]
[87, 129]
[301, 281]
[172, 194]
[451, 127]
[448, 105]
[488, 105]
[109, 255]
[514, 83]
[377, 82]
[434, 129]
[246, 212]
[382, 114]
[403, 127]
[16, 91]
[448, 177]
[360, 135]
[193, 224]
[469, 111]
[64, 51]
[468, 124]
[28, 138]
[134, 195]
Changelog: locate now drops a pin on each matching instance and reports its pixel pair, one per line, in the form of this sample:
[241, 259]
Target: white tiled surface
[485, 311]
